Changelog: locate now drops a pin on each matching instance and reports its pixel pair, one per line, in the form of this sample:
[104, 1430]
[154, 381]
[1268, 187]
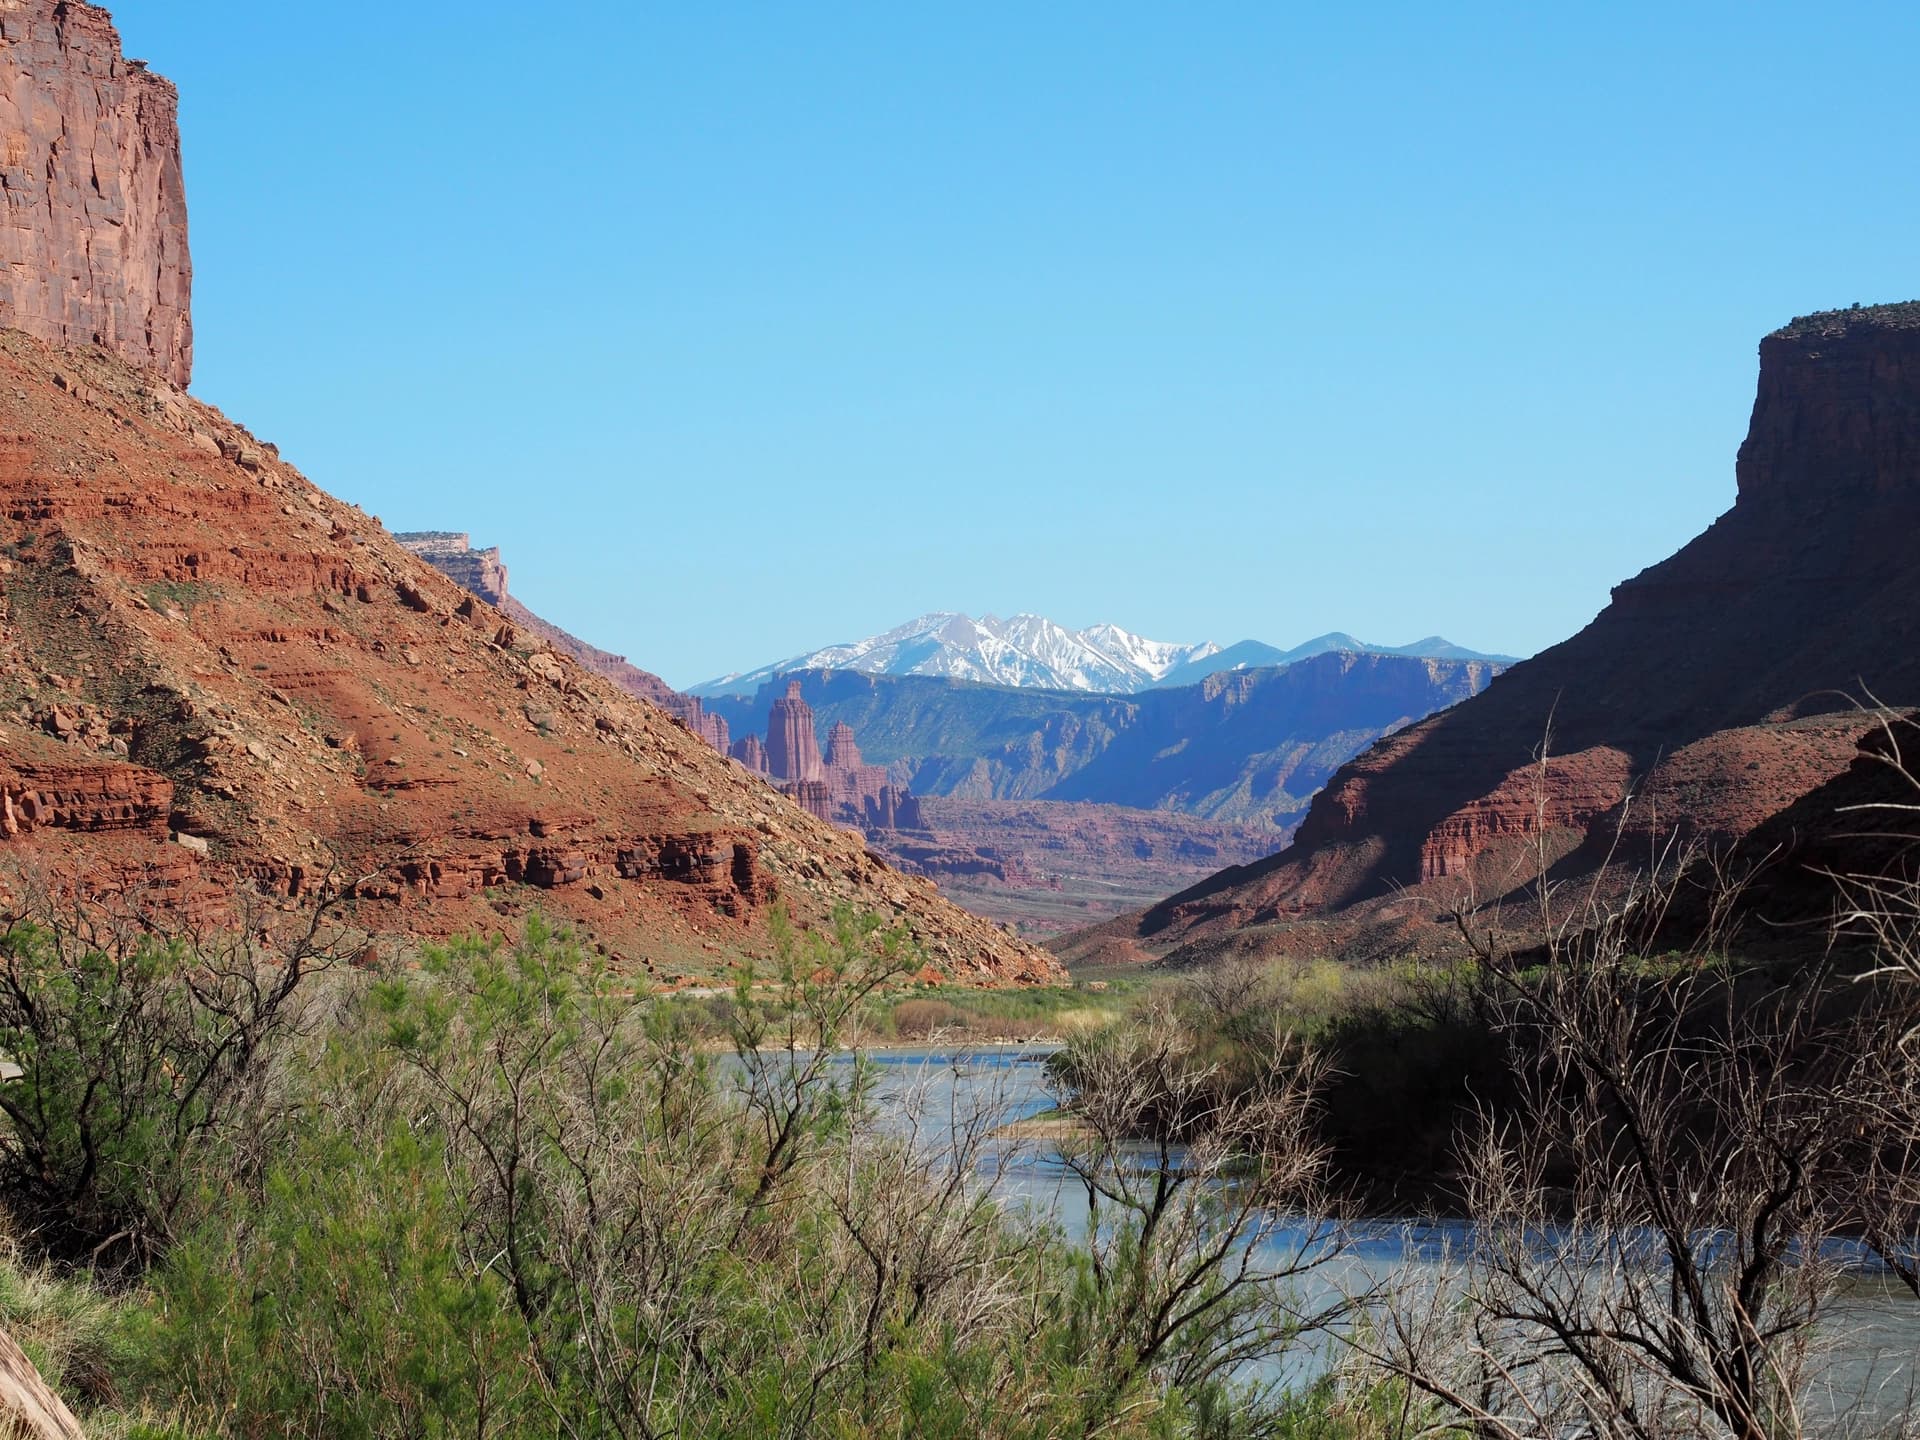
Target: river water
[1870, 1336]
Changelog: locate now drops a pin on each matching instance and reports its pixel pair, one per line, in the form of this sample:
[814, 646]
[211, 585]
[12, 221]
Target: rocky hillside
[1247, 746]
[93, 243]
[216, 674]
[216, 679]
[484, 573]
[1033, 652]
[1713, 692]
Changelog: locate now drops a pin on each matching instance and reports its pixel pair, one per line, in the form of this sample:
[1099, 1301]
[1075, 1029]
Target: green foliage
[507, 1195]
[352, 1268]
[1408, 1049]
[71, 1331]
[140, 1061]
[180, 595]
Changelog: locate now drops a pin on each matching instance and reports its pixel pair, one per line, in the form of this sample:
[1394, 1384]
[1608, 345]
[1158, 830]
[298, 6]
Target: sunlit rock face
[93, 208]
[1715, 690]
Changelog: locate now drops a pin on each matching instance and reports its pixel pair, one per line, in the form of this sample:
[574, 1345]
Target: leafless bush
[918, 1019]
[1882, 904]
[1655, 1224]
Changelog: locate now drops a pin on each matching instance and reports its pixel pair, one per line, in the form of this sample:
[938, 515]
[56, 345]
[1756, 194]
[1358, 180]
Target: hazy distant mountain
[1034, 653]
[1248, 747]
[1255, 655]
[1029, 651]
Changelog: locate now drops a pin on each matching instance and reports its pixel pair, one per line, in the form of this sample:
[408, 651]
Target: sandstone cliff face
[1710, 693]
[843, 749]
[452, 554]
[750, 752]
[93, 218]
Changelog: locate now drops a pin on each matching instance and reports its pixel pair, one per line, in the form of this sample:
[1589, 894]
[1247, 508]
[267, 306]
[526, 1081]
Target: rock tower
[793, 750]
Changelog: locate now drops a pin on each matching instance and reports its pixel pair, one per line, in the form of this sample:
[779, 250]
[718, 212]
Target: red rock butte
[1715, 691]
[93, 243]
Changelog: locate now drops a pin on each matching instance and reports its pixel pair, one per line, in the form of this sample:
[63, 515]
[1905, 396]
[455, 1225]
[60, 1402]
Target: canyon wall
[1717, 688]
[93, 213]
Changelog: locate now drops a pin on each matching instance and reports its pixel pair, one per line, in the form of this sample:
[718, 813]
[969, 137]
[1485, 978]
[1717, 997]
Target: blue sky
[750, 328]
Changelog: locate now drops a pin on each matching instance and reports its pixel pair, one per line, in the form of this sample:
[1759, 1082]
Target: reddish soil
[213, 675]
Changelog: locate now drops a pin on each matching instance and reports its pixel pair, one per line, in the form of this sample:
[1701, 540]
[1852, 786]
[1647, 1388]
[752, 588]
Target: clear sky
[748, 328]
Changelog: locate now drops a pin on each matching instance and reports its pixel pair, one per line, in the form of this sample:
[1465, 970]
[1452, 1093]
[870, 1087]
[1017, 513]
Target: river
[1870, 1336]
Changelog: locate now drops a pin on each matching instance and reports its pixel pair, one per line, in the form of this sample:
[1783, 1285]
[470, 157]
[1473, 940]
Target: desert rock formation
[838, 787]
[93, 212]
[452, 554]
[483, 573]
[220, 687]
[793, 750]
[1041, 865]
[1718, 687]
[214, 676]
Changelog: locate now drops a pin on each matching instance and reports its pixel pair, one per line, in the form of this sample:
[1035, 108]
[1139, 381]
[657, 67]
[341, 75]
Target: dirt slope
[213, 674]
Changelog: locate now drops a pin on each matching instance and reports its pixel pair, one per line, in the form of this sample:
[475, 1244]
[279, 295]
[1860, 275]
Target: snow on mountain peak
[1024, 650]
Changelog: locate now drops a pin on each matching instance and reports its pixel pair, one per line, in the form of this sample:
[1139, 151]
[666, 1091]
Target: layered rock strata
[93, 214]
[452, 554]
[483, 573]
[216, 679]
[1716, 689]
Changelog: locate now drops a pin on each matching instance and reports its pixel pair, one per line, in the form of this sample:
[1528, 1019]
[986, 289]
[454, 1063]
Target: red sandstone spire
[793, 751]
[843, 751]
[751, 753]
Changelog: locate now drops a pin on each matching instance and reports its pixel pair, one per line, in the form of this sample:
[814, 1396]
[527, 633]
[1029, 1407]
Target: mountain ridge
[1032, 652]
[1245, 746]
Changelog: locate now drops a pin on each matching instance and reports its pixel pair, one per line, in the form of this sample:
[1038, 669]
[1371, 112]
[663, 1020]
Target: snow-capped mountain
[1027, 650]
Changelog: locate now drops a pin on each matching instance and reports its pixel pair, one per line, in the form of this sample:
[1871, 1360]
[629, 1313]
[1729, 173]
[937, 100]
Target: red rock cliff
[93, 210]
[1711, 693]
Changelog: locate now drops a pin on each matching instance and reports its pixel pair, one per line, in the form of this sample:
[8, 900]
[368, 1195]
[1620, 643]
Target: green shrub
[507, 1195]
[141, 1062]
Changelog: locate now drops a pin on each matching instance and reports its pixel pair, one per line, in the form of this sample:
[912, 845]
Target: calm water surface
[1873, 1332]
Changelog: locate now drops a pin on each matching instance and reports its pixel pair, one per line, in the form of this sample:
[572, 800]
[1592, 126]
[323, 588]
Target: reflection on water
[1871, 1334]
